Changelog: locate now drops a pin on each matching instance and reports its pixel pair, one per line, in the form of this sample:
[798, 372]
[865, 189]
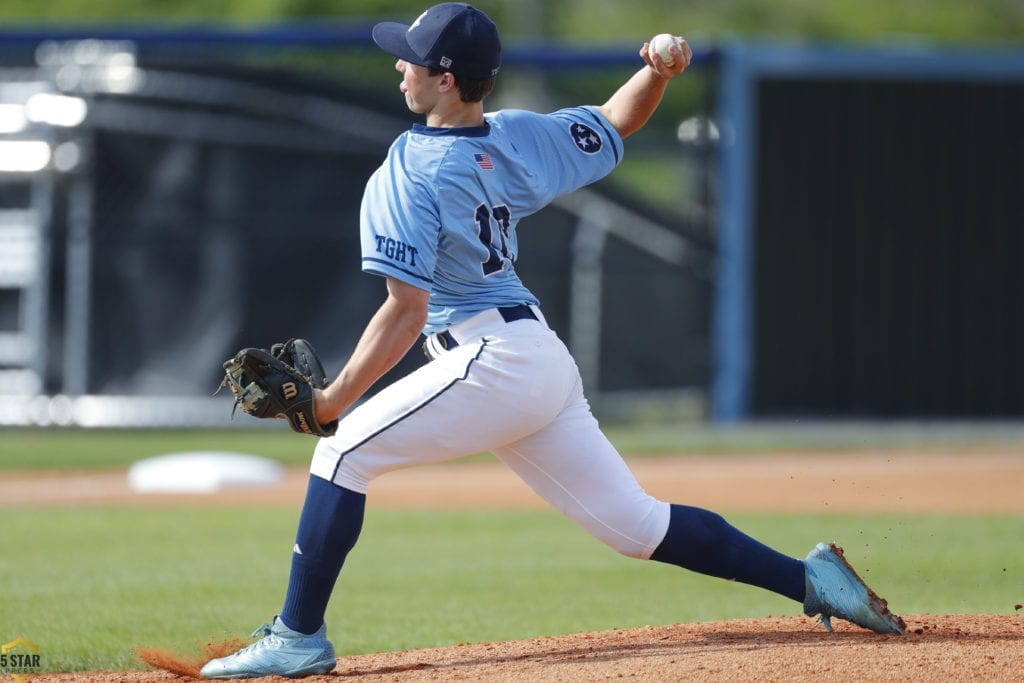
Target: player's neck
[456, 114]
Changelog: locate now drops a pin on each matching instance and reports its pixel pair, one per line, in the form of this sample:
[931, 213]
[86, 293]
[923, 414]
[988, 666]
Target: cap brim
[390, 37]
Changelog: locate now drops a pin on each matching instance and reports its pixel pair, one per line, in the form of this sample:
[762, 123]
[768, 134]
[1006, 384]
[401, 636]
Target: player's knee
[329, 464]
[636, 531]
[629, 546]
[632, 550]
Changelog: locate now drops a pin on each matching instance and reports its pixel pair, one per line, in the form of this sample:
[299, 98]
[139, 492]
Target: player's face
[418, 86]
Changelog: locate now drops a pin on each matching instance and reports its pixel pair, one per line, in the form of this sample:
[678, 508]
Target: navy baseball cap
[451, 36]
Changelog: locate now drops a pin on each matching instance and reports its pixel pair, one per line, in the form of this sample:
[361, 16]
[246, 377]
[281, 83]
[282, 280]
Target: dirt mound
[936, 648]
[187, 664]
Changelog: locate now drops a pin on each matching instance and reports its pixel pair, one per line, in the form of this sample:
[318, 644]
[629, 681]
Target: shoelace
[262, 632]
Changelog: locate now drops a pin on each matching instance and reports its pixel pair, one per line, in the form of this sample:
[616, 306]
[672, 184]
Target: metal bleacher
[26, 186]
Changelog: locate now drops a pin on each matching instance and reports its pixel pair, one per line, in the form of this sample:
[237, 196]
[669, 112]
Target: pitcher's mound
[936, 648]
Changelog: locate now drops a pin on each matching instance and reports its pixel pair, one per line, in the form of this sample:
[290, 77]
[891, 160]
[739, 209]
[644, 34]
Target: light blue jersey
[441, 212]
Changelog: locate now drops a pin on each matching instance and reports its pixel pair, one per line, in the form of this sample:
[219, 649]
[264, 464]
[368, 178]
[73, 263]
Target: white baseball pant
[511, 388]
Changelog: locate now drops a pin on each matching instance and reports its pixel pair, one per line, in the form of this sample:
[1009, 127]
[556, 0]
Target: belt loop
[443, 339]
[520, 312]
[447, 341]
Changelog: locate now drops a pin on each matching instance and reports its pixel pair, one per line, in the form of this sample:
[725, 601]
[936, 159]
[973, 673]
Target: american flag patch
[484, 161]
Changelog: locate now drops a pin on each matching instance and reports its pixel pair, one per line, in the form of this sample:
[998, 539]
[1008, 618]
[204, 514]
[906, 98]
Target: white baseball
[661, 44]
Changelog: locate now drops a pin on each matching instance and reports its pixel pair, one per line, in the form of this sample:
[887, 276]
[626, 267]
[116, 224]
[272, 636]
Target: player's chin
[414, 106]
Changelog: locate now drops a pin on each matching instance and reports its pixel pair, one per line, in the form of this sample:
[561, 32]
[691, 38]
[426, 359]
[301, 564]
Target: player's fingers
[687, 53]
[656, 63]
[681, 55]
[645, 54]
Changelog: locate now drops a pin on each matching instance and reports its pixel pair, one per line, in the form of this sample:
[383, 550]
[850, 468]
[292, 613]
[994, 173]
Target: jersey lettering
[396, 250]
[497, 254]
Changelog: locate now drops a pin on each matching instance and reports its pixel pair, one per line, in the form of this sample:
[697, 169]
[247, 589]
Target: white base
[202, 472]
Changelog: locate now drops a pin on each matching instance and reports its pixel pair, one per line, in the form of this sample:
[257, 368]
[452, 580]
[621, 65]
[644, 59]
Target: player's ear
[447, 81]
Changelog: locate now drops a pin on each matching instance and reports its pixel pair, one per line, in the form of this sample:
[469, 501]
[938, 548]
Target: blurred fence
[170, 210]
[872, 234]
[859, 254]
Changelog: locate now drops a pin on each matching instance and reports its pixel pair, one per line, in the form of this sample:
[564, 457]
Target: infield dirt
[791, 648]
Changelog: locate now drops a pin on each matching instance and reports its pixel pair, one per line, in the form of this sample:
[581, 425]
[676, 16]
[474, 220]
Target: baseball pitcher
[439, 223]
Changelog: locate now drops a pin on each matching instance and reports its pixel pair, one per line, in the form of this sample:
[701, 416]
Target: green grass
[71, 448]
[23, 449]
[948, 19]
[90, 584]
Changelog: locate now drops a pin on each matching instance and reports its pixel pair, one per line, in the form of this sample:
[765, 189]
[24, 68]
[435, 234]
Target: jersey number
[497, 254]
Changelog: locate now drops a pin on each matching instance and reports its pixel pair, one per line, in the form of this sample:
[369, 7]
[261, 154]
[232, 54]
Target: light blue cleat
[279, 651]
[835, 590]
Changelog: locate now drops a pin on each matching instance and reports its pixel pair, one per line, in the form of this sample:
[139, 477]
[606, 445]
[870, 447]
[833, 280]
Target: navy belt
[508, 314]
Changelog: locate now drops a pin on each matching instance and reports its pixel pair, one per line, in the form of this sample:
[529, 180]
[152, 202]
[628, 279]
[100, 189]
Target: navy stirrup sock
[329, 526]
[702, 541]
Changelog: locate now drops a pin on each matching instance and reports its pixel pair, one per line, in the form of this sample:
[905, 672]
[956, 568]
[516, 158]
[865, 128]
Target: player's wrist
[325, 405]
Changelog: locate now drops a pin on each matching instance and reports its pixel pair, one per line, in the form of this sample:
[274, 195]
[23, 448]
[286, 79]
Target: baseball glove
[279, 383]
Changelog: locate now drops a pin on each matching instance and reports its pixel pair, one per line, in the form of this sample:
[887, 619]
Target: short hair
[469, 90]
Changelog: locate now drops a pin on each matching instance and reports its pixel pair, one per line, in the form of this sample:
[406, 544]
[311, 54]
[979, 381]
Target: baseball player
[439, 222]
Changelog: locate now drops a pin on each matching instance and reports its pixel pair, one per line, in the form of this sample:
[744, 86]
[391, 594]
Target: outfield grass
[73, 448]
[23, 449]
[90, 584]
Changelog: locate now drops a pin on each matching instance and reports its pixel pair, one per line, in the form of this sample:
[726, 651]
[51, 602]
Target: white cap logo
[446, 62]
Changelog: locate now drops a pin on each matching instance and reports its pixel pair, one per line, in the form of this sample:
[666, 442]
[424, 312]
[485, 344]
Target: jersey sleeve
[570, 148]
[399, 223]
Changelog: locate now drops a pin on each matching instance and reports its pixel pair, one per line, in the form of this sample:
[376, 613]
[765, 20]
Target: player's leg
[572, 465]
[703, 541]
[441, 411]
[444, 410]
[329, 526]
[296, 643]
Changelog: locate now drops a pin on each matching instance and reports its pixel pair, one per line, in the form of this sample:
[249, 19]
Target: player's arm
[632, 104]
[391, 332]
